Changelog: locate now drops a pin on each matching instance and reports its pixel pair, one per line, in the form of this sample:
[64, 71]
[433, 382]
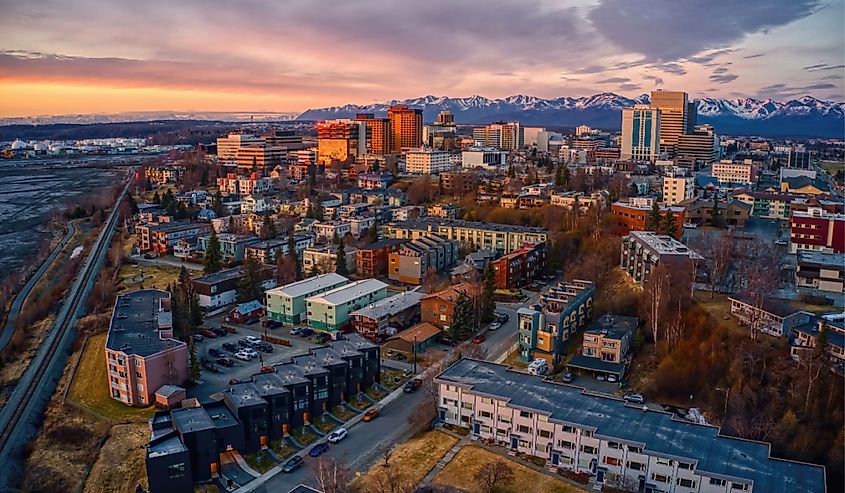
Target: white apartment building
[328, 230]
[427, 161]
[233, 184]
[677, 187]
[483, 157]
[609, 439]
[729, 172]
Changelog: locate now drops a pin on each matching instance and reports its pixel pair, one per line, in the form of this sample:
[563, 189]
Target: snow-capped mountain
[806, 116]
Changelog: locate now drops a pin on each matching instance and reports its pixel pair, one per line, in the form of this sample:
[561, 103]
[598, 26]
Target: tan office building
[673, 106]
[378, 133]
[340, 141]
[405, 127]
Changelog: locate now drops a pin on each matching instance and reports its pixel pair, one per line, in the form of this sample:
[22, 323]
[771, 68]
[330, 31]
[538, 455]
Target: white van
[538, 367]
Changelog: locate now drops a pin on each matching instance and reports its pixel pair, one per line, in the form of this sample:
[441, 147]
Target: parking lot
[212, 382]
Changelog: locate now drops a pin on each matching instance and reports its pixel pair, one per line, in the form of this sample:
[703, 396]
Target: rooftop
[433, 222]
[662, 244]
[419, 333]
[166, 443]
[135, 323]
[658, 432]
[220, 276]
[387, 242]
[826, 260]
[391, 305]
[308, 286]
[348, 292]
[244, 394]
[613, 326]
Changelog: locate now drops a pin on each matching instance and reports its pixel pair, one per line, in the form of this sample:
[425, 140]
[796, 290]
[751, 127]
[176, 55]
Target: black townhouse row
[186, 444]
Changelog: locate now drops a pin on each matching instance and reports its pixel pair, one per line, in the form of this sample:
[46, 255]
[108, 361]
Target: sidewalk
[429, 477]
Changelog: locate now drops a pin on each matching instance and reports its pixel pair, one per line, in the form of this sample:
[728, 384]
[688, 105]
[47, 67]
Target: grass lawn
[413, 459]
[260, 461]
[89, 386]
[282, 448]
[514, 361]
[375, 393]
[324, 423]
[303, 436]
[460, 472]
[120, 463]
[360, 403]
[389, 378]
[343, 413]
[147, 276]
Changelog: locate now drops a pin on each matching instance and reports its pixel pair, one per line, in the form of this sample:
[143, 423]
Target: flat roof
[308, 286]
[220, 276]
[191, 419]
[424, 223]
[662, 244]
[613, 326]
[244, 394]
[348, 292]
[659, 432]
[269, 384]
[135, 322]
[390, 305]
[821, 259]
[596, 364]
[166, 444]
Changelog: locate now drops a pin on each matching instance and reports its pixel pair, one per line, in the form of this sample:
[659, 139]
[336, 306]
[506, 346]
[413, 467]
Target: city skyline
[262, 56]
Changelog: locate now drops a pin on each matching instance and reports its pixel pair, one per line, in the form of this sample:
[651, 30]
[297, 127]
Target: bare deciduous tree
[331, 475]
[494, 473]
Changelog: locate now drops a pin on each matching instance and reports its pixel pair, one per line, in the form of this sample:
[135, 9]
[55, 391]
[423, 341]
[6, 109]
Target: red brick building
[520, 267]
[817, 229]
[633, 215]
[373, 258]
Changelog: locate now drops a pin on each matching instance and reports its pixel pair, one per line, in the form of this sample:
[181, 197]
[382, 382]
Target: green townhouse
[329, 311]
[286, 304]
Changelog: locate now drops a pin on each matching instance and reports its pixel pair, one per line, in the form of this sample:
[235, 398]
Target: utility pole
[415, 355]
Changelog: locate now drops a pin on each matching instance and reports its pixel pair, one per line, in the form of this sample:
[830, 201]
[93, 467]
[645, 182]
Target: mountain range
[807, 116]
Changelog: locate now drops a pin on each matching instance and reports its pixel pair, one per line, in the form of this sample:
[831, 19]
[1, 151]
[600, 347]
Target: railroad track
[65, 320]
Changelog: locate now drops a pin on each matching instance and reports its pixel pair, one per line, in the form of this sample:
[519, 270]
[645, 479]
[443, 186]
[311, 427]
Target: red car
[208, 333]
[267, 369]
[479, 339]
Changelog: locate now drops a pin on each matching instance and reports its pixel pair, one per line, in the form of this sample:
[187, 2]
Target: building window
[664, 462]
[686, 483]
[524, 414]
[523, 429]
[636, 466]
[660, 478]
[684, 465]
[176, 471]
[587, 449]
[717, 482]
[140, 387]
[613, 461]
[138, 374]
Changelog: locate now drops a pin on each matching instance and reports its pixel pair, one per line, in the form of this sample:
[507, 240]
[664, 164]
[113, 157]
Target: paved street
[368, 441]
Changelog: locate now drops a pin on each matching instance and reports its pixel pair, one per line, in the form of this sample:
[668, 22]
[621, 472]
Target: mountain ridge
[805, 116]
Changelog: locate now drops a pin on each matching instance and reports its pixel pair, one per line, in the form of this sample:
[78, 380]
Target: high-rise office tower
[340, 141]
[405, 127]
[699, 147]
[378, 133]
[674, 119]
[445, 117]
[504, 135]
[641, 133]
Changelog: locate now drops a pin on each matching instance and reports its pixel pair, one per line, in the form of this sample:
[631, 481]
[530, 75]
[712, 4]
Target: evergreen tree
[670, 227]
[566, 175]
[312, 177]
[268, 229]
[217, 204]
[559, 176]
[213, 259]
[488, 306]
[652, 222]
[340, 259]
[204, 177]
[156, 198]
[167, 199]
[462, 319]
[511, 172]
[195, 363]
[195, 310]
[318, 210]
[249, 287]
[293, 256]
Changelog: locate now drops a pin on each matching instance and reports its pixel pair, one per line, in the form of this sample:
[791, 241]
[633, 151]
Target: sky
[94, 56]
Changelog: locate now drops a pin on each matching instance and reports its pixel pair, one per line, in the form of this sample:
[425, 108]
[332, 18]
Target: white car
[242, 355]
[251, 352]
[634, 398]
[337, 435]
[494, 326]
[252, 340]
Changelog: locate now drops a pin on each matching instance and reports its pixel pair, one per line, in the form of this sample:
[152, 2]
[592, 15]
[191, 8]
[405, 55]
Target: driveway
[229, 469]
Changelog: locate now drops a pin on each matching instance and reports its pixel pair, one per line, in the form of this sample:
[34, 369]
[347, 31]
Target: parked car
[225, 362]
[208, 333]
[501, 317]
[600, 377]
[305, 332]
[371, 414]
[479, 339]
[612, 378]
[634, 398]
[216, 353]
[251, 352]
[264, 347]
[230, 346]
[234, 381]
[268, 369]
[412, 385]
[781, 242]
[272, 324]
[196, 337]
[208, 365]
[319, 449]
[295, 331]
[252, 340]
[243, 356]
[690, 226]
[447, 341]
[337, 435]
[242, 343]
[568, 377]
[292, 464]
[494, 326]
[219, 332]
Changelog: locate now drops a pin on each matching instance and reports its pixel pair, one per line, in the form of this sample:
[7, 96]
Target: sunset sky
[87, 56]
